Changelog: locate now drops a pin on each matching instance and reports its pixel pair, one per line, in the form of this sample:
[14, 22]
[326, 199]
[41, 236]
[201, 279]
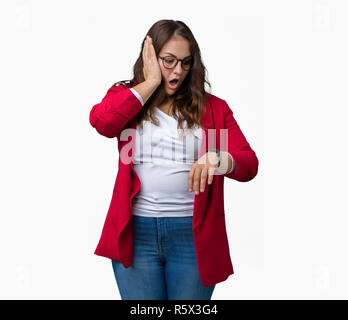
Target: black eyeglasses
[171, 62]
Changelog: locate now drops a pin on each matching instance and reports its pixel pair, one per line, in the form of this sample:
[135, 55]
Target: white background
[282, 68]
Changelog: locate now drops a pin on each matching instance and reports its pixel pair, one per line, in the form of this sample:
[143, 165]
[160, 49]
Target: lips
[173, 84]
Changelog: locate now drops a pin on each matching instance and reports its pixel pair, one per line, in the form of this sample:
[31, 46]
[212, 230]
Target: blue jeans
[164, 265]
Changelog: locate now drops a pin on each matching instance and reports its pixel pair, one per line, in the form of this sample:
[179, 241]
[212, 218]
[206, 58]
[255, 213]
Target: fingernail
[196, 192]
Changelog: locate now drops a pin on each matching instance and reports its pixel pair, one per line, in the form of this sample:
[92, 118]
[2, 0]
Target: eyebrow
[176, 56]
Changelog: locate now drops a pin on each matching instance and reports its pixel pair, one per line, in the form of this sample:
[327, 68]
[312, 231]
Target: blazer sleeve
[116, 109]
[246, 163]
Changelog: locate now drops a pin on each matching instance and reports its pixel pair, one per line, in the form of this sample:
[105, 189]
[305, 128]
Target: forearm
[146, 89]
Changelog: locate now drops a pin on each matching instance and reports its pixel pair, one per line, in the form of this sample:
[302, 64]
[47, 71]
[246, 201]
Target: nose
[178, 68]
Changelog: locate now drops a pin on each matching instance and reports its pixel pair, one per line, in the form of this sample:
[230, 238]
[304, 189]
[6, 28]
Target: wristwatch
[218, 154]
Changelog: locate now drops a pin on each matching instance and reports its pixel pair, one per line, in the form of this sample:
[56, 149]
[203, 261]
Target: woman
[165, 228]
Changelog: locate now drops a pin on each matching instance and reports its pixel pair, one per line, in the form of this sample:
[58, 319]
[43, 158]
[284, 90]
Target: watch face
[217, 151]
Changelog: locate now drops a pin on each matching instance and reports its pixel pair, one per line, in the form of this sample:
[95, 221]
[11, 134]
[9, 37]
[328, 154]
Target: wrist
[231, 163]
[153, 83]
[225, 163]
[218, 153]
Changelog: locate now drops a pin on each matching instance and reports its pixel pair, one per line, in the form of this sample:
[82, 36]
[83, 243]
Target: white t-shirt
[163, 157]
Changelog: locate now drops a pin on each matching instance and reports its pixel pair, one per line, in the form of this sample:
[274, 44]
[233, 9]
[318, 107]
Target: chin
[170, 92]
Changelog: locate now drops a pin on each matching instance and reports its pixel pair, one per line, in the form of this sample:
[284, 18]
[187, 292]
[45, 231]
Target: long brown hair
[189, 99]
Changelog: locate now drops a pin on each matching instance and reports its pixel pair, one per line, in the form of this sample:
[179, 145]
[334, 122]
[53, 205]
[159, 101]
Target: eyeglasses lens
[171, 63]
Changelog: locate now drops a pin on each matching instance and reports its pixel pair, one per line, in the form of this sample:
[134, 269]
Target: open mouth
[173, 84]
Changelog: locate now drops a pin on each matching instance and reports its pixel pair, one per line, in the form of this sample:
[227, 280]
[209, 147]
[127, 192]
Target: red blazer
[116, 112]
